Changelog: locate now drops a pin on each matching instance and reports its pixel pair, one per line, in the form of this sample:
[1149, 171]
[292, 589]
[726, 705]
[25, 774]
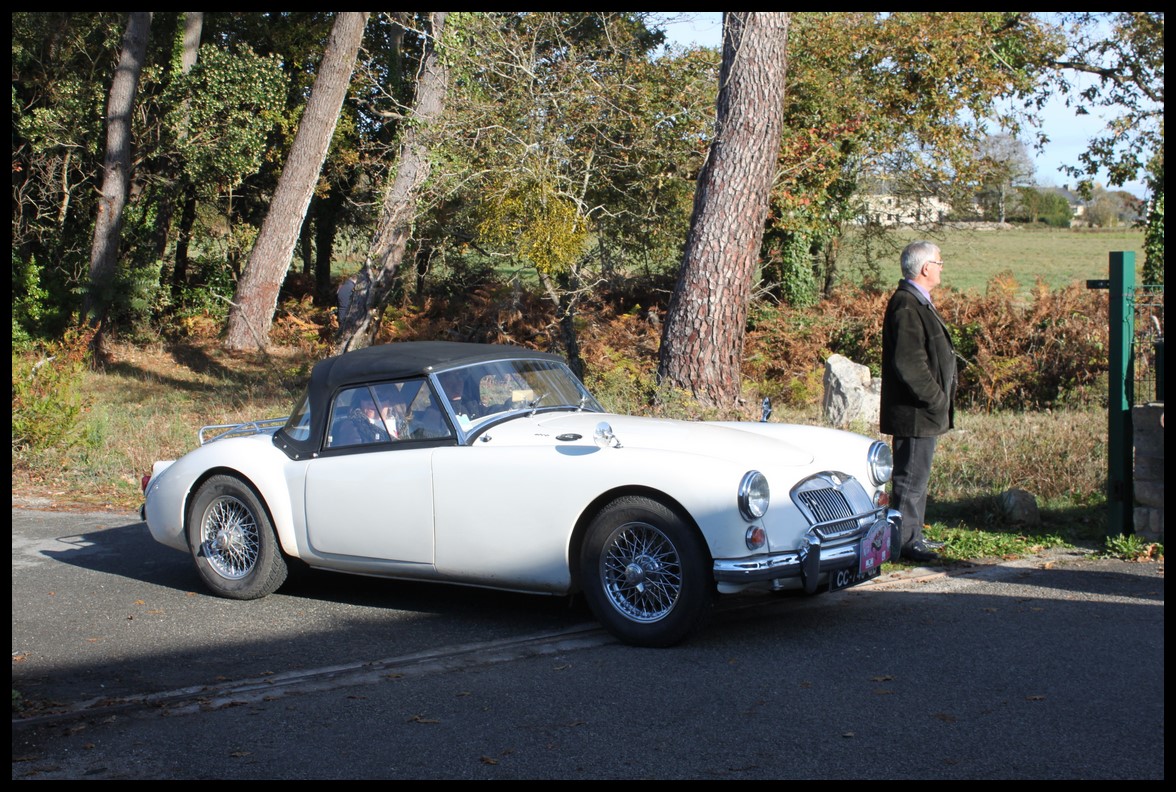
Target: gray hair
[915, 255]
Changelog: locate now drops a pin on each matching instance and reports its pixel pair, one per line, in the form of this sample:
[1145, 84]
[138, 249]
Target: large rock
[851, 394]
[1018, 507]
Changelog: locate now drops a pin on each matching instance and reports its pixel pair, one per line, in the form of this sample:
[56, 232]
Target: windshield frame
[548, 386]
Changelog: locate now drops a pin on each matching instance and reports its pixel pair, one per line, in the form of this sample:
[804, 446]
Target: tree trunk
[306, 237]
[180, 189]
[183, 241]
[252, 313]
[359, 322]
[702, 341]
[326, 226]
[116, 171]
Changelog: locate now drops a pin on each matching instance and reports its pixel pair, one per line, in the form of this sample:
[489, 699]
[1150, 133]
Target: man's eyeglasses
[940, 263]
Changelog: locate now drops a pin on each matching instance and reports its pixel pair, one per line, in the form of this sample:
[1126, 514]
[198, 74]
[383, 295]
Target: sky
[1068, 132]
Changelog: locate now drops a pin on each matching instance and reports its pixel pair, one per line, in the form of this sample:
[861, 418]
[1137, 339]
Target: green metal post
[1120, 492]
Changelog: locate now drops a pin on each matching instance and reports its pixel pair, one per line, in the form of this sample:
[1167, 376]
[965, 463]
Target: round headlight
[881, 463]
[754, 495]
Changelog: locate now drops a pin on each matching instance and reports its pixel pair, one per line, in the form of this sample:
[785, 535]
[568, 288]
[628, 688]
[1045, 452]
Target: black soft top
[392, 362]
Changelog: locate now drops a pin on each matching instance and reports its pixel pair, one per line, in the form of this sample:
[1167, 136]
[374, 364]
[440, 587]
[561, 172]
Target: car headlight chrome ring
[881, 463]
[754, 495]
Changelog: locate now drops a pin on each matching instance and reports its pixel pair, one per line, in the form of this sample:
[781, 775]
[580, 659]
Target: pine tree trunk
[116, 170]
[252, 313]
[180, 190]
[702, 340]
[359, 323]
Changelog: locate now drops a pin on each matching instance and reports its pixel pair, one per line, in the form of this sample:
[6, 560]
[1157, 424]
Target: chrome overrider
[815, 556]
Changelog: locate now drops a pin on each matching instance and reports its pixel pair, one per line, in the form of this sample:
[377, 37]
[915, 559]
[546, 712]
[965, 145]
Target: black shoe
[920, 551]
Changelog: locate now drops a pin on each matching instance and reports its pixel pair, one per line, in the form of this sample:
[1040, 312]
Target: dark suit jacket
[918, 368]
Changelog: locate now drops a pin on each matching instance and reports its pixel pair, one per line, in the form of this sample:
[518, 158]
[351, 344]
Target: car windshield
[483, 391]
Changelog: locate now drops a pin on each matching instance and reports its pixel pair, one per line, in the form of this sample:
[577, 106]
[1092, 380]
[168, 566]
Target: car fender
[252, 459]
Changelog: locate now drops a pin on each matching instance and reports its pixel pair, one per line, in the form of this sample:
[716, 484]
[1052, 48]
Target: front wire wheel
[646, 573]
[641, 572]
[233, 542]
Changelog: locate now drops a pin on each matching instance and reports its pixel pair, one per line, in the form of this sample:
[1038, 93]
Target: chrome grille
[826, 504]
[830, 512]
[835, 530]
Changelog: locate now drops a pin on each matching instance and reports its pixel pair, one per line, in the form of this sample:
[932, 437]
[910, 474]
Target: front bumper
[814, 559]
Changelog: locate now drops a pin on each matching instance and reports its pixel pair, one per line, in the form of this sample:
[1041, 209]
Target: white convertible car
[493, 466]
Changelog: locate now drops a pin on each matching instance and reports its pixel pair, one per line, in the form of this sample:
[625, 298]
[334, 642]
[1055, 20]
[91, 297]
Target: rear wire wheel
[232, 540]
[646, 573]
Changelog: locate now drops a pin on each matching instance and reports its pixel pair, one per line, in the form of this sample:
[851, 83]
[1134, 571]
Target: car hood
[737, 442]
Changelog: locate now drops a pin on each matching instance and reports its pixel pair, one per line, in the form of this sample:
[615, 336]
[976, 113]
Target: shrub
[29, 299]
[47, 398]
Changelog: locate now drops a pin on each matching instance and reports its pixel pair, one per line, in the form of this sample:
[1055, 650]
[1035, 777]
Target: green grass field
[1059, 257]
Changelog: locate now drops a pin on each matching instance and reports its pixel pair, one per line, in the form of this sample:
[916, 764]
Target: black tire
[233, 541]
[646, 573]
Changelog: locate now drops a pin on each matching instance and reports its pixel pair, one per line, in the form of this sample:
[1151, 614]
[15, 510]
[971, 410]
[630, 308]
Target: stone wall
[1148, 427]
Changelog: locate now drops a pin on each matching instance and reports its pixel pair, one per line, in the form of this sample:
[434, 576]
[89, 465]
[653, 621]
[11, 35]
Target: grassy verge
[150, 404]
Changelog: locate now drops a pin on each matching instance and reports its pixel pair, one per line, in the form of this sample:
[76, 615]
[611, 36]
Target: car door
[373, 498]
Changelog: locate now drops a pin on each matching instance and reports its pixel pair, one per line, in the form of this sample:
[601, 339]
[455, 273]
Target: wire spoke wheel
[230, 538]
[646, 572]
[641, 572]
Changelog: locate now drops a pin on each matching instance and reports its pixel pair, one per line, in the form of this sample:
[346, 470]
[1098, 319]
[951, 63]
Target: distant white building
[887, 209]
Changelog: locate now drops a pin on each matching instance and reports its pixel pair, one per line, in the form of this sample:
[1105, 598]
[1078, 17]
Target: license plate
[873, 551]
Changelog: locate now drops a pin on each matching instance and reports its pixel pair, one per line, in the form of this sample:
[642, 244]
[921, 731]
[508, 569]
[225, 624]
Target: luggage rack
[221, 431]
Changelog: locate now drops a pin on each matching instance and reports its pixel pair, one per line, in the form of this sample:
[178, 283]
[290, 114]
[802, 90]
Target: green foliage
[1125, 50]
[29, 299]
[48, 401]
[1132, 548]
[971, 543]
[1056, 211]
[620, 383]
[202, 306]
[1041, 206]
[1153, 267]
[789, 268]
[536, 223]
[1153, 239]
[222, 111]
[575, 110]
[901, 96]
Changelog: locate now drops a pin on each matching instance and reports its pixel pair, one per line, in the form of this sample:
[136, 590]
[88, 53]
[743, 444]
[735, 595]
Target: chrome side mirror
[604, 436]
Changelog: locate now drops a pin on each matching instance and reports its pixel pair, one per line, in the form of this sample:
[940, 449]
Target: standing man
[918, 389]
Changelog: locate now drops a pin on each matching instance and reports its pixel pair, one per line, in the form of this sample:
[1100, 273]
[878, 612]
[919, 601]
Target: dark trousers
[912, 474]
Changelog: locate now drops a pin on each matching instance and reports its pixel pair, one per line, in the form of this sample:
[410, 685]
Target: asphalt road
[1046, 668]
